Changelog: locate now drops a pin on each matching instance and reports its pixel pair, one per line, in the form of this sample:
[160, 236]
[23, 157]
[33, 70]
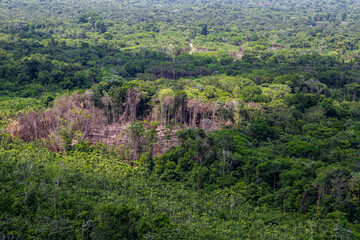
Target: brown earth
[115, 135]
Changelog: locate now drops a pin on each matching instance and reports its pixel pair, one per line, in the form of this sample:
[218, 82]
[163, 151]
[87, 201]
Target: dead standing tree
[167, 101]
[70, 114]
[194, 106]
[109, 107]
[133, 98]
[168, 105]
[213, 107]
[207, 112]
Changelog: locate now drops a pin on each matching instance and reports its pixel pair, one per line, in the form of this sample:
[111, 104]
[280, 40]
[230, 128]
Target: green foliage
[116, 222]
[258, 110]
[261, 130]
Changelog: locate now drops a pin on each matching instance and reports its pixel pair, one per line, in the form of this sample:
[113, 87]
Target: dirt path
[192, 47]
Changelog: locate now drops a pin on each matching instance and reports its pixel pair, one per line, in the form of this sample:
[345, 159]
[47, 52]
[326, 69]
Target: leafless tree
[133, 98]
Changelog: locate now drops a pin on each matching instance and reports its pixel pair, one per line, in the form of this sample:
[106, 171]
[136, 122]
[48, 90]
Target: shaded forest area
[179, 119]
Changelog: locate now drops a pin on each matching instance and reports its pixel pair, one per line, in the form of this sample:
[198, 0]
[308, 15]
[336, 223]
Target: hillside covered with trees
[159, 119]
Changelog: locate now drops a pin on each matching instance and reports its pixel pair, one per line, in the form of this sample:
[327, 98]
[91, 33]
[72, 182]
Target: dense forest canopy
[47, 46]
[201, 119]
